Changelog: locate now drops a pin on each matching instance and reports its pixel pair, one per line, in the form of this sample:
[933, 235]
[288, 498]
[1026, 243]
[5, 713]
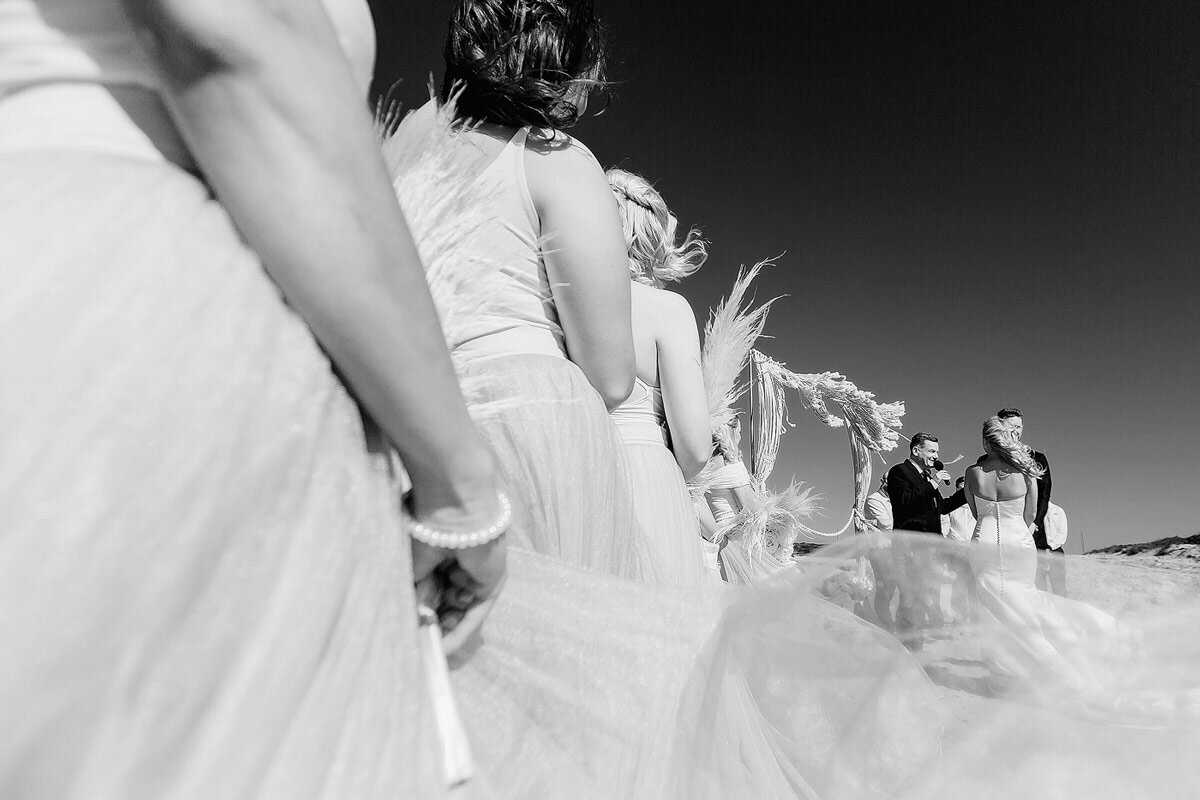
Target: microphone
[938, 466]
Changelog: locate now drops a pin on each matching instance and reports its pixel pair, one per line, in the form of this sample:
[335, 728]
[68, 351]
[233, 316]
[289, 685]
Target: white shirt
[1056, 526]
[962, 524]
[879, 510]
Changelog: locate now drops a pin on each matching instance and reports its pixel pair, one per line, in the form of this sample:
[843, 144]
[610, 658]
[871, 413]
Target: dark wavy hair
[523, 62]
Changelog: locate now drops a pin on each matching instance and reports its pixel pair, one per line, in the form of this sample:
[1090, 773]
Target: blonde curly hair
[1009, 448]
[654, 257]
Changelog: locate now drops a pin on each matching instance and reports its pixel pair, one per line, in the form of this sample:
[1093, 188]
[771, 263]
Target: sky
[976, 205]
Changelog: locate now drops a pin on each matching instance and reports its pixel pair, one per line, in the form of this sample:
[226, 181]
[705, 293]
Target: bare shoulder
[559, 150]
[665, 301]
[561, 169]
[670, 312]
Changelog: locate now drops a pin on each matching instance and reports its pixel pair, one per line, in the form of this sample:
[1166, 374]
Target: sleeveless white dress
[556, 445]
[205, 587]
[664, 507]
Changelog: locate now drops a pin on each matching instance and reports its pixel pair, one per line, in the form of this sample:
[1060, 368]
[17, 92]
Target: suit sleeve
[901, 491]
[1043, 501]
[956, 500]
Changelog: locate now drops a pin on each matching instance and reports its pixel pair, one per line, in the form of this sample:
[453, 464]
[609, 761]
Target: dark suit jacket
[917, 505]
[1043, 503]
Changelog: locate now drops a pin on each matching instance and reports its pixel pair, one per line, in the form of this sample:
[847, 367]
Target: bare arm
[268, 106]
[682, 383]
[587, 266]
[708, 523]
[971, 487]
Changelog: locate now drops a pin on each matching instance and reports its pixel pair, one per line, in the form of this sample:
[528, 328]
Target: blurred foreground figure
[206, 589]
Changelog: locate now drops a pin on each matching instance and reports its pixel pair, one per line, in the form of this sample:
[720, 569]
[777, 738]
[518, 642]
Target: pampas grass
[732, 329]
[772, 528]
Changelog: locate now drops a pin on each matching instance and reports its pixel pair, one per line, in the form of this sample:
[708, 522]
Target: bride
[1033, 634]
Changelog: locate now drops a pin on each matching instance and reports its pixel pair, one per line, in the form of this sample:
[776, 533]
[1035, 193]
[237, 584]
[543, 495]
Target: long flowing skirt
[666, 513]
[205, 589]
[616, 685]
[1095, 695]
[561, 459]
[586, 683]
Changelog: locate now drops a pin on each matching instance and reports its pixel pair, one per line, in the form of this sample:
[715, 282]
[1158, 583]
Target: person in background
[1056, 526]
[960, 523]
[917, 505]
[207, 580]
[664, 421]
[959, 526]
[878, 512]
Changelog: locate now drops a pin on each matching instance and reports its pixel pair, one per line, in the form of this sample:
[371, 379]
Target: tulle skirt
[587, 685]
[562, 461]
[1095, 695]
[616, 685]
[205, 590]
[666, 513]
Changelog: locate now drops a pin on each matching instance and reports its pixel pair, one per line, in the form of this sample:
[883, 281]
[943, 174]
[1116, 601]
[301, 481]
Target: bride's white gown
[1033, 634]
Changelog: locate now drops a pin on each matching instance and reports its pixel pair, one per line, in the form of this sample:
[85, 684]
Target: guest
[1056, 526]
[559, 337]
[729, 492]
[959, 587]
[206, 582]
[1052, 565]
[960, 522]
[664, 421]
[878, 512]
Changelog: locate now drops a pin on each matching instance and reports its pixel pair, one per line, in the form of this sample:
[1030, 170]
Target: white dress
[1036, 635]
[205, 588]
[664, 507]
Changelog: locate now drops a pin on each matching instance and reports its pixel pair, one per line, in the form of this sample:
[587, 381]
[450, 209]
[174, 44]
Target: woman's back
[521, 318]
[995, 481]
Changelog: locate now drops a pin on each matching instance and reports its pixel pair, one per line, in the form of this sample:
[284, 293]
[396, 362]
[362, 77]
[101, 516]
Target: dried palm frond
[732, 329]
[771, 529]
[872, 426]
[876, 424]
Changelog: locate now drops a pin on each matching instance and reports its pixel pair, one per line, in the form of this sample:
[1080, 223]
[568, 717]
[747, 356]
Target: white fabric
[879, 510]
[730, 476]
[522, 319]
[1056, 526]
[91, 41]
[961, 524]
[641, 418]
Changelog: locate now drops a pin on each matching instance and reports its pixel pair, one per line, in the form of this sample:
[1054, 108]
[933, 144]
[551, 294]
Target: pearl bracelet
[460, 540]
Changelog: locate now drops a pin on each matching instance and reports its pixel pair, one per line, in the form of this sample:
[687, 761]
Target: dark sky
[979, 205]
